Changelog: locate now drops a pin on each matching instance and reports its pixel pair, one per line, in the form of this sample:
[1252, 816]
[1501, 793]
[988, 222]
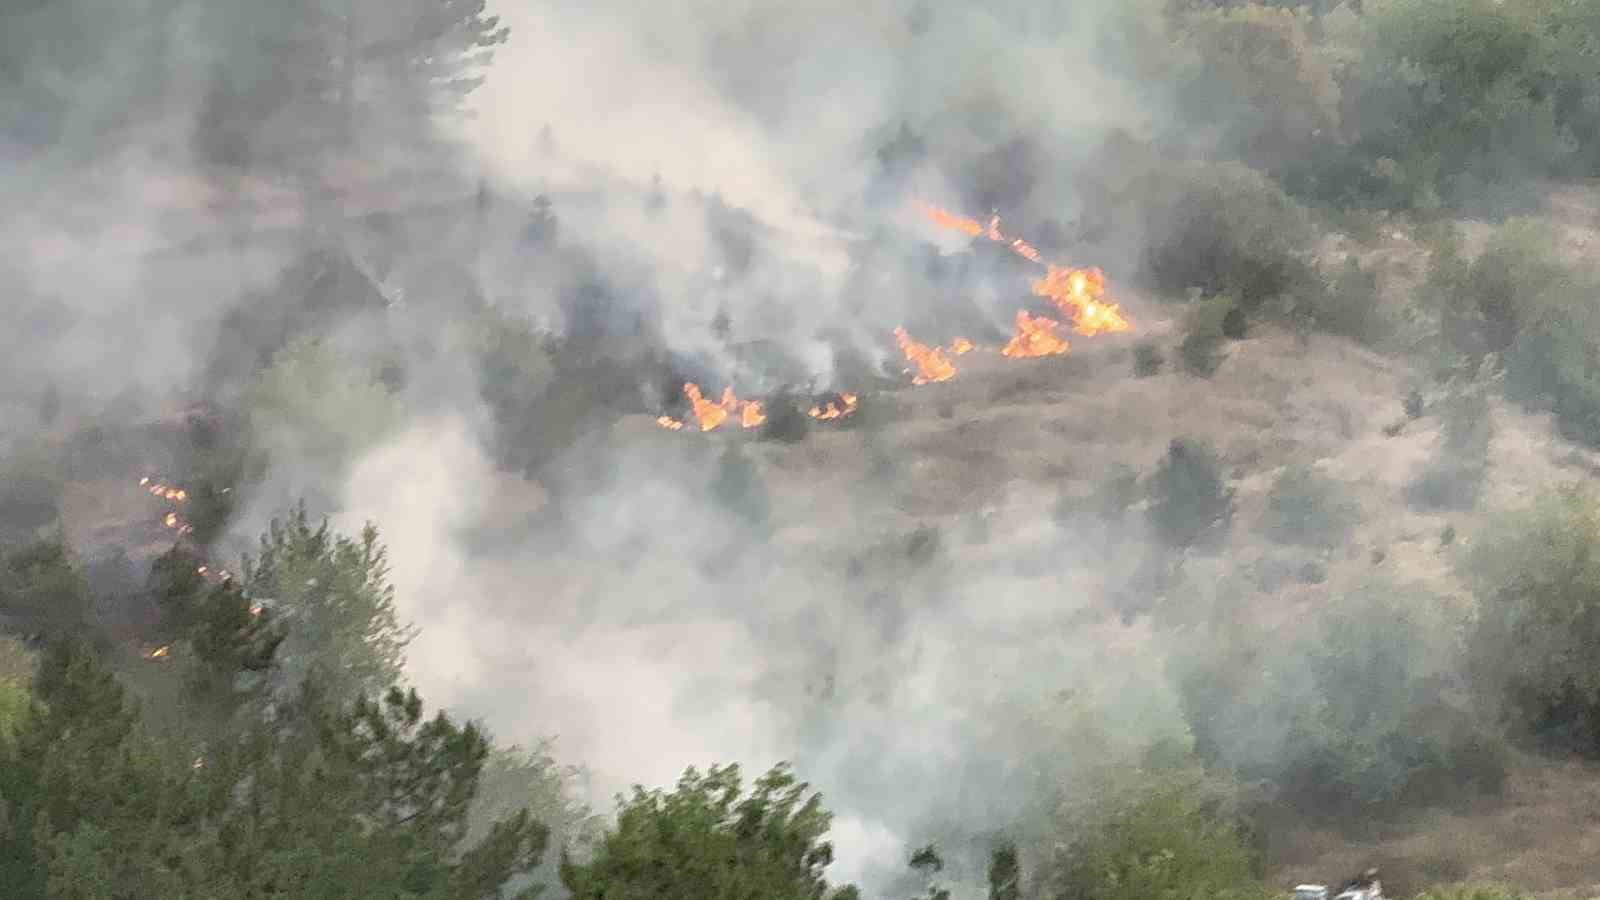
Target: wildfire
[931, 363]
[1035, 337]
[164, 491]
[844, 407]
[161, 652]
[960, 346]
[710, 414]
[1077, 293]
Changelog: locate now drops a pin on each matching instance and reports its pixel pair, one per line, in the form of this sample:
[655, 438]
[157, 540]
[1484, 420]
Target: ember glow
[844, 406]
[164, 491]
[161, 652]
[1035, 337]
[930, 363]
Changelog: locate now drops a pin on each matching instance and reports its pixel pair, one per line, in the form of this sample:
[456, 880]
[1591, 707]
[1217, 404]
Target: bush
[1158, 834]
[1147, 359]
[1453, 479]
[1224, 229]
[1361, 708]
[1349, 305]
[1537, 575]
[1204, 336]
[31, 485]
[787, 422]
[42, 590]
[739, 488]
[1305, 507]
[1189, 501]
[1258, 70]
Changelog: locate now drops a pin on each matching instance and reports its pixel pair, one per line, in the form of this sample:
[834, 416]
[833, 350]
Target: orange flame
[930, 361]
[845, 406]
[1035, 337]
[159, 653]
[1078, 294]
[710, 414]
[960, 346]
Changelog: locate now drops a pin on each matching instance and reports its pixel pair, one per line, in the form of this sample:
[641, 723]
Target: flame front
[960, 346]
[710, 414]
[845, 406]
[1035, 337]
[1079, 294]
[931, 363]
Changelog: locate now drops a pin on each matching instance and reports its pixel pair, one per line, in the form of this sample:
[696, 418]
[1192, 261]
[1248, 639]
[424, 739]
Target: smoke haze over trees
[346, 360]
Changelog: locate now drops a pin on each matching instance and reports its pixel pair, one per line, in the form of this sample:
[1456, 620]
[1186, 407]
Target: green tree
[322, 801]
[1189, 501]
[332, 595]
[314, 407]
[708, 840]
[1537, 575]
[1157, 834]
[42, 590]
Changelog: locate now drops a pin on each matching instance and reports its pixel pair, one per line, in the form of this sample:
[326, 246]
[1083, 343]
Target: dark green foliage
[369, 801]
[1147, 359]
[787, 422]
[1305, 507]
[1005, 874]
[1157, 834]
[31, 483]
[1225, 229]
[1204, 337]
[1537, 574]
[708, 840]
[1454, 477]
[927, 864]
[335, 598]
[1189, 502]
[1362, 708]
[1349, 304]
[738, 486]
[41, 589]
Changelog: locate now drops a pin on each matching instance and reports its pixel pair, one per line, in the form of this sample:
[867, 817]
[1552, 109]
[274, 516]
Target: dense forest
[468, 450]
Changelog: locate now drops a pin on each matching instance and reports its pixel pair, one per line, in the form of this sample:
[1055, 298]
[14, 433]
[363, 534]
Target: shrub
[1157, 834]
[1537, 575]
[739, 488]
[1304, 507]
[31, 485]
[1349, 305]
[1258, 70]
[1189, 501]
[786, 422]
[1224, 229]
[1453, 479]
[1203, 339]
[1147, 359]
[1361, 708]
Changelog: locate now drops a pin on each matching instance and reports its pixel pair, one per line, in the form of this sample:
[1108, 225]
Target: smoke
[932, 665]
